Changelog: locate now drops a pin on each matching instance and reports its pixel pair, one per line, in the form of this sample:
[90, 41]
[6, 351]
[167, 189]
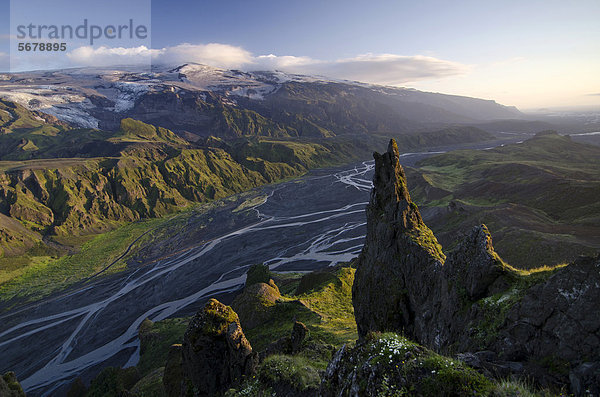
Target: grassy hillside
[322, 300]
[539, 198]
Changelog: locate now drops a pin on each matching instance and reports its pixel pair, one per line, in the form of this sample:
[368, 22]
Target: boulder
[215, 353]
[9, 386]
[253, 304]
[299, 334]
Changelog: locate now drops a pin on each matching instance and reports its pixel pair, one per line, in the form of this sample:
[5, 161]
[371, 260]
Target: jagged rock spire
[389, 189]
[398, 254]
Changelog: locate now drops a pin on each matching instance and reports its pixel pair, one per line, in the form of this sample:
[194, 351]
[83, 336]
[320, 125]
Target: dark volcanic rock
[299, 334]
[399, 257]
[545, 324]
[174, 379]
[215, 352]
[258, 273]
[9, 386]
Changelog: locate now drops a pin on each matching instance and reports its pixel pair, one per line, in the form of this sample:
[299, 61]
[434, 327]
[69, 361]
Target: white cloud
[287, 62]
[213, 54]
[381, 69]
[372, 68]
[110, 56]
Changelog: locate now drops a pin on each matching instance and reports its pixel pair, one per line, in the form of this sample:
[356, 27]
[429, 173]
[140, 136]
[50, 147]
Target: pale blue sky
[524, 53]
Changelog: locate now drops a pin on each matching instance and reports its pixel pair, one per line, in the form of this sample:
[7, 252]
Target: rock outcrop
[399, 257]
[254, 302]
[544, 324]
[215, 354]
[391, 365]
[299, 334]
[174, 380]
[259, 295]
[9, 386]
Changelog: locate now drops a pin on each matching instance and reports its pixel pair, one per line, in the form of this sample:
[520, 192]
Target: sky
[531, 54]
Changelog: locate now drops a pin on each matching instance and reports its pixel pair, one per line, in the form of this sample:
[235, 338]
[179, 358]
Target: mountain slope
[540, 197]
[207, 101]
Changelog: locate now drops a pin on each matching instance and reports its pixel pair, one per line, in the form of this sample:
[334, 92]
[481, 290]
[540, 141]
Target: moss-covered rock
[258, 273]
[289, 375]
[255, 302]
[391, 365]
[150, 385]
[215, 352]
[9, 386]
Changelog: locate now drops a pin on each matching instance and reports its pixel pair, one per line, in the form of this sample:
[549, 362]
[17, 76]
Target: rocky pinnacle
[399, 250]
[543, 324]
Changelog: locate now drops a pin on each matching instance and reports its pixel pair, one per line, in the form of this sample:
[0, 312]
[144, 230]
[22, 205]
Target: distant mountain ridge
[59, 180]
[204, 101]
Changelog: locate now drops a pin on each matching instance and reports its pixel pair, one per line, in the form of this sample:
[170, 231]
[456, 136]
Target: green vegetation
[295, 371]
[326, 309]
[218, 318]
[509, 388]
[332, 302]
[523, 192]
[402, 367]
[38, 276]
[150, 385]
[156, 338]
[424, 237]
[390, 365]
[113, 382]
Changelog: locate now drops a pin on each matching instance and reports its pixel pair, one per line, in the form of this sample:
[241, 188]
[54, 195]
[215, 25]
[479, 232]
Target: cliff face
[544, 323]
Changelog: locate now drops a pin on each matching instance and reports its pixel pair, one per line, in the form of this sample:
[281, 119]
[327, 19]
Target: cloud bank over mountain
[389, 69]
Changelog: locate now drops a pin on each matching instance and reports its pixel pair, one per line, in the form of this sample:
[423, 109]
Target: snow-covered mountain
[204, 100]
